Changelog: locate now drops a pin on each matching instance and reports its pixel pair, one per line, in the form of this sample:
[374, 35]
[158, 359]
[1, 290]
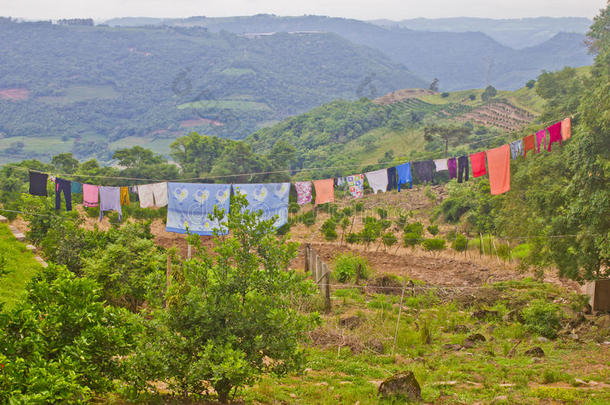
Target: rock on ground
[402, 384]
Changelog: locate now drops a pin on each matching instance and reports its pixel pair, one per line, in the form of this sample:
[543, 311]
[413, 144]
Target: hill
[517, 33]
[362, 133]
[92, 89]
[461, 60]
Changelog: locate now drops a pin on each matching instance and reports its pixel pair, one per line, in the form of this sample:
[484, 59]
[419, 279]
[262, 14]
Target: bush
[472, 97]
[389, 239]
[352, 238]
[359, 207]
[460, 243]
[383, 213]
[444, 94]
[346, 265]
[415, 227]
[293, 208]
[401, 222]
[411, 239]
[330, 234]
[433, 244]
[433, 229]
[309, 218]
[543, 318]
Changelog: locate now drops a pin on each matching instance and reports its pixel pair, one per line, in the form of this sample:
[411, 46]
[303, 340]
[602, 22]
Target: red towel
[325, 191]
[566, 129]
[477, 161]
[498, 160]
[529, 143]
[554, 134]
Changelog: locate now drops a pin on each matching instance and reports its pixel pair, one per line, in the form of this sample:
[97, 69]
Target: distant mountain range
[461, 58]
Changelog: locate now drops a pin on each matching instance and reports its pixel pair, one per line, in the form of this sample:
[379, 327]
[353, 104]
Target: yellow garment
[124, 195]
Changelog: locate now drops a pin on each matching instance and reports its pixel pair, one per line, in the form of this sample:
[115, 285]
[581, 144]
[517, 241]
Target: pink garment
[554, 134]
[304, 191]
[540, 139]
[90, 195]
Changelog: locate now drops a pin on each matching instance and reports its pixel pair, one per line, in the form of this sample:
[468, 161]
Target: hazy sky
[360, 9]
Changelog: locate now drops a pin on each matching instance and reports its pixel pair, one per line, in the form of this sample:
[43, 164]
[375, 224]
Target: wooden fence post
[307, 257]
[326, 286]
[168, 270]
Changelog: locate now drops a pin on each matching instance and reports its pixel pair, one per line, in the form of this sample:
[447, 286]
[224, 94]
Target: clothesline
[352, 166]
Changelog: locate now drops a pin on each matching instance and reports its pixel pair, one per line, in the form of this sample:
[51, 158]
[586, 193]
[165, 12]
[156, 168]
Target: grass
[74, 94]
[485, 373]
[20, 264]
[236, 105]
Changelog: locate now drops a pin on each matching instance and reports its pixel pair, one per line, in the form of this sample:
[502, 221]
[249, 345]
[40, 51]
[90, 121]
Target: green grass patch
[236, 105]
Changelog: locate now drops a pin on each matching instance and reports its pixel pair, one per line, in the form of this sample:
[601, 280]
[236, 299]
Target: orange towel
[325, 191]
[124, 195]
[529, 143]
[498, 163]
[566, 129]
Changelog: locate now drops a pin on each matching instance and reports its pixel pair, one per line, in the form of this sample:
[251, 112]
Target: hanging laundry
[392, 179]
[38, 184]
[304, 192]
[516, 148]
[324, 191]
[554, 134]
[452, 167]
[540, 140]
[404, 174]
[441, 164]
[341, 183]
[378, 180]
[63, 186]
[477, 160]
[110, 200]
[529, 143]
[160, 192]
[355, 183]
[190, 206]
[498, 160]
[90, 195]
[134, 190]
[76, 188]
[270, 198]
[124, 195]
[463, 169]
[424, 171]
[145, 194]
[566, 129]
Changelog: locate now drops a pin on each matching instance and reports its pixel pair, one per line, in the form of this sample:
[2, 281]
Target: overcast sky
[360, 9]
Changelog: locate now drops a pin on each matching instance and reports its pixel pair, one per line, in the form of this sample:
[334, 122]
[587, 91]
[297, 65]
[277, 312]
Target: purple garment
[540, 139]
[110, 200]
[452, 166]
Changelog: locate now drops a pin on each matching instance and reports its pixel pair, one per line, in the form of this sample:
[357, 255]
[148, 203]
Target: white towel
[145, 195]
[160, 192]
[378, 180]
[441, 164]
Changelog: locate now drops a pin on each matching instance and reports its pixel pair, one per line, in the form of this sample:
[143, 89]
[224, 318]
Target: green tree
[449, 134]
[490, 92]
[65, 163]
[136, 156]
[230, 313]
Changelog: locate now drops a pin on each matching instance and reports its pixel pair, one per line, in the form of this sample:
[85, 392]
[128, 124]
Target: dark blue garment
[392, 179]
[404, 174]
[462, 168]
[64, 186]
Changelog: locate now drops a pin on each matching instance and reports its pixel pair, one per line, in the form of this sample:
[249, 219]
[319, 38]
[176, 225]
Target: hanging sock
[529, 143]
[566, 129]
[325, 192]
[477, 160]
[124, 195]
[424, 171]
[392, 179]
[63, 186]
[404, 174]
[355, 184]
[378, 180]
[540, 140]
[110, 200]
[441, 164]
[452, 167]
[554, 134]
[76, 188]
[463, 169]
[304, 192]
[498, 160]
[516, 148]
[90, 195]
[38, 184]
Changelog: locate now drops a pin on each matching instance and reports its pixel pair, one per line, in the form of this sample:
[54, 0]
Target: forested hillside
[82, 88]
[461, 60]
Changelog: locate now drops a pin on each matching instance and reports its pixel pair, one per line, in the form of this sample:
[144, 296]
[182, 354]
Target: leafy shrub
[383, 213]
[433, 229]
[389, 239]
[330, 234]
[61, 342]
[503, 250]
[352, 237]
[415, 227]
[359, 207]
[309, 218]
[444, 94]
[434, 244]
[347, 211]
[472, 97]
[401, 222]
[346, 265]
[411, 239]
[543, 318]
[521, 251]
[294, 208]
[460, 243]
